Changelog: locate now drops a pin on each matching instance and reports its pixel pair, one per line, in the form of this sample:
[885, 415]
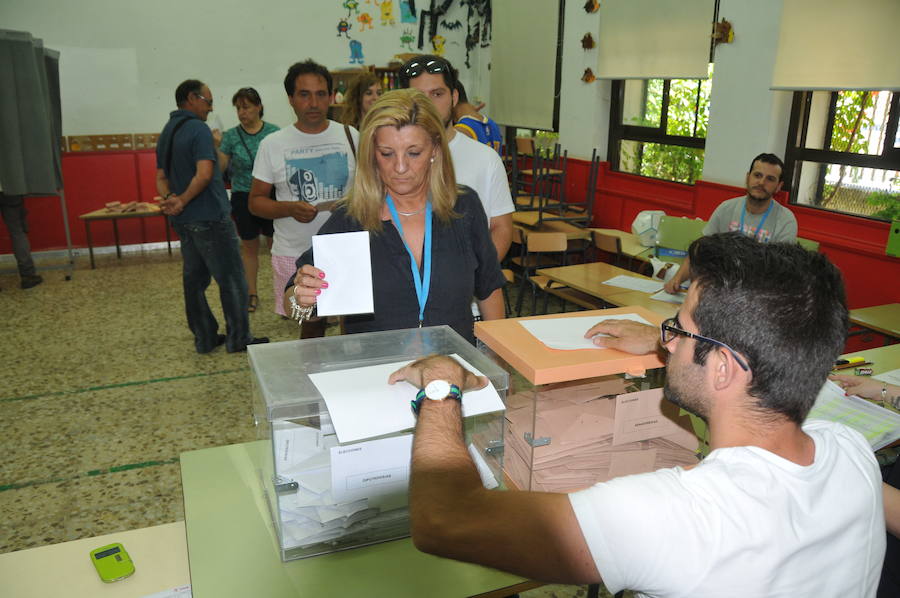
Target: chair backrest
[545, 242]
[676, 234]
[608, 243]
[808, 244]
[525, 146]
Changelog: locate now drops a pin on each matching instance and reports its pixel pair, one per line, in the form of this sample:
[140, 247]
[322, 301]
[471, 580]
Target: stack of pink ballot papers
[596, 432]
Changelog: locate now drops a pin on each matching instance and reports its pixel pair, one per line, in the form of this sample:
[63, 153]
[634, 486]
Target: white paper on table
[363, 405]
[880, 426]
[568, 333]
[635, 284]
[892, 377]
[668, 297]
[371, 469]
[179, 592]
[347, 263]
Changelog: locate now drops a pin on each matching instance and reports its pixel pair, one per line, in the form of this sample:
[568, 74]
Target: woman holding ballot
[429, 241]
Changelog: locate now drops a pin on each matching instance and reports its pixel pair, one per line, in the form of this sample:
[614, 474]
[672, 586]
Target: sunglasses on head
[432, 65]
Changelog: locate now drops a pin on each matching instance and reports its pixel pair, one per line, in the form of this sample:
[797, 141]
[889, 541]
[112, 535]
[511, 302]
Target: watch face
[437, 390]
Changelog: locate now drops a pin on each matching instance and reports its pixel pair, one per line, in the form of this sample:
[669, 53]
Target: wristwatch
[436, 390]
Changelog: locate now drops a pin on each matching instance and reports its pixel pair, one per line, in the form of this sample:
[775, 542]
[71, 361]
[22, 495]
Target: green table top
[233, 549]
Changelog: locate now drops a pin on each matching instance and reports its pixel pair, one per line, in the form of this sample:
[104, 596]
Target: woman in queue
[422, 226]
[238, 148]
[360, 97]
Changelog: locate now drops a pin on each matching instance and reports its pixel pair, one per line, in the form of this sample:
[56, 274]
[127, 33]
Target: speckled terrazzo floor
[101, 392]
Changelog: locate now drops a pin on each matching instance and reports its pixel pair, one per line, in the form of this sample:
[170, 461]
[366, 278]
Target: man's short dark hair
[777, 304]
[307, 67]
[250, 95]
[769, 159]
[463, 98]
[186, 88]
[428, 63]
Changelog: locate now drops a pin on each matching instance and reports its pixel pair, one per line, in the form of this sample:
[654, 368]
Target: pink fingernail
[321, 275]
[318, 291]
[324, 285]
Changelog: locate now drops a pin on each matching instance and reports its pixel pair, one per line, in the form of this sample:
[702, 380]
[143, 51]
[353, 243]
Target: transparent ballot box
[337, 473]
[579, 416]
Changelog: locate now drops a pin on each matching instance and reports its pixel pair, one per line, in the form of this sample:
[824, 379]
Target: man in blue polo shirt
[190, 183]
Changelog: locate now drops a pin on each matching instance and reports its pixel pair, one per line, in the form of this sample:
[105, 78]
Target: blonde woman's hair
[352, 114]
[400, 108]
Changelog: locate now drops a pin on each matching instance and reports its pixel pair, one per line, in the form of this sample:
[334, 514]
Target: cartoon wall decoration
[587, 42]
[387, 12]
[478, 25]
[407, 11]
[451, 26]
[591, 6]
[352, 6]
[365, 20]
[437, 43]
[407, 38]
[356, 52]
[588, 76]
[343, 28]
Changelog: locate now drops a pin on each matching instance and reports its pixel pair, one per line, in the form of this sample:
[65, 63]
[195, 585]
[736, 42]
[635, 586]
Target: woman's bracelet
[300, 312]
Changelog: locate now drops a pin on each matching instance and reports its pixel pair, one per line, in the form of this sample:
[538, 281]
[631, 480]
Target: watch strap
[416, 404]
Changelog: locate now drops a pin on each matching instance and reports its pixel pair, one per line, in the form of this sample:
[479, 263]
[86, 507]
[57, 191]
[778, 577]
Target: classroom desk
[884, 359]
[637, 298]
[880, 318]
[147, 211]
[233, 548]
[588, 278]
[160, 563]
[631, 243]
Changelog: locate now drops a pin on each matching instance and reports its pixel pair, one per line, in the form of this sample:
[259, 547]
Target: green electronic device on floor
[112, 562]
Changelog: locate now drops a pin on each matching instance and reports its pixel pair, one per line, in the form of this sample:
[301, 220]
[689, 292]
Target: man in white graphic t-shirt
[311, 165]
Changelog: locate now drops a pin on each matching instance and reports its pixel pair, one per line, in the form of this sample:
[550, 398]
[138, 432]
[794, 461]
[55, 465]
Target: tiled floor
[102, 391]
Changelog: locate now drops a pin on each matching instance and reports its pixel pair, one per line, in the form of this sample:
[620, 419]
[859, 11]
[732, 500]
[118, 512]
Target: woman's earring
[432, 159]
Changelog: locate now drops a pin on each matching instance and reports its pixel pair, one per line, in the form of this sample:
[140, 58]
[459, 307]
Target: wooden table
[588, 278]
[637, 298]
[159, 553]
[233, 548]
[147, 211]
[880, 318]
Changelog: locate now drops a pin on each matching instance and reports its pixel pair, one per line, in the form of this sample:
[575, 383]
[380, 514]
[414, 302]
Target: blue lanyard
[761, 222]
[422, 282]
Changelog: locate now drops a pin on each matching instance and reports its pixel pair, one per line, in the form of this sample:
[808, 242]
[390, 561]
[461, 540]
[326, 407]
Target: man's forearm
[195, 187]
[266, 207]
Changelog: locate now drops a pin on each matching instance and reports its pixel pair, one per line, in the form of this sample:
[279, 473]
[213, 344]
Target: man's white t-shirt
[313, 168]
[745, 522]
[479, 167]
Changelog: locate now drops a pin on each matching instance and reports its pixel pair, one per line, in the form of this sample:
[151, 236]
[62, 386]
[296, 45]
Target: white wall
[122, 59]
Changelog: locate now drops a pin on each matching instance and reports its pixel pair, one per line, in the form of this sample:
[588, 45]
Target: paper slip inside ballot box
[634, 283]
[645, 414]
[347, 264]
[363, 405]
[568, 333]
[372, 470]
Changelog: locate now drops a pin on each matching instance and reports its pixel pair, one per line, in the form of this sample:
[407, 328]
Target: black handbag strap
[244, 143]
[350, 140]
[177, 126]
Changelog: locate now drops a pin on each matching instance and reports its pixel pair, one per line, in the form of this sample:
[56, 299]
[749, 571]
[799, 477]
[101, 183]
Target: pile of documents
[569, 436]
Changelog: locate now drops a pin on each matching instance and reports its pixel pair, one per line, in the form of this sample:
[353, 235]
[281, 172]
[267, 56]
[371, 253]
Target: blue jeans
[210, 249]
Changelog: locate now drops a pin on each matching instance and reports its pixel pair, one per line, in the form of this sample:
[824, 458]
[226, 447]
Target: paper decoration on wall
[451, 26]
[407, 38]
[591, 6]
[351, 6]
[587, 42]
[478, 25]
[588, 76]
[407, 11]
[437, 42]
[343, 28]
[356, 52]
[387, 12]
[365, 20]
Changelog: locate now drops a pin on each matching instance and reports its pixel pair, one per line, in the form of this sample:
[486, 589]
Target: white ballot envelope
[347, 263]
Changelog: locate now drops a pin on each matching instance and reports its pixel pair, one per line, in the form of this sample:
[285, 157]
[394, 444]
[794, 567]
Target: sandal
[254, 303]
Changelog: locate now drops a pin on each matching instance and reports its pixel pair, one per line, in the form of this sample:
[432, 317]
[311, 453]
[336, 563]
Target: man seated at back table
[756, 214]
[778, 508]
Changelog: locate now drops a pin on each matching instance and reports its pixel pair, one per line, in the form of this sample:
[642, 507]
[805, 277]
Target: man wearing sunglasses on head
[475, 164]
[780, 507]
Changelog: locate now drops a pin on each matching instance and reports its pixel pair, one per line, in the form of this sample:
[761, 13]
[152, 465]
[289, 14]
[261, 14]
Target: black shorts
[249, 227]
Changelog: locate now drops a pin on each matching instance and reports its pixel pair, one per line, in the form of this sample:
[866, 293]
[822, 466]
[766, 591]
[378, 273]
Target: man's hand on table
[625, 335]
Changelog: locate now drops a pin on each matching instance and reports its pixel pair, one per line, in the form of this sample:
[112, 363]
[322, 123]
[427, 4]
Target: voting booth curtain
[30, 116]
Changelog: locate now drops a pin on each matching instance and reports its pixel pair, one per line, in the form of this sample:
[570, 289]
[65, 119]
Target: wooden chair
[609, 244]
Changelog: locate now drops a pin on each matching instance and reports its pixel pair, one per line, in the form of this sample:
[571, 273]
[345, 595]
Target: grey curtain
[30, 116]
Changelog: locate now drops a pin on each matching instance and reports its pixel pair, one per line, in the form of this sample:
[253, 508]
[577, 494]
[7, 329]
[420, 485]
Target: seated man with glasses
[780, 507]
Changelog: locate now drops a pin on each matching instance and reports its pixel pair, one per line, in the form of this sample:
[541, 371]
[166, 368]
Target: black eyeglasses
[667, 332]
[433, 65]
[208, 101]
